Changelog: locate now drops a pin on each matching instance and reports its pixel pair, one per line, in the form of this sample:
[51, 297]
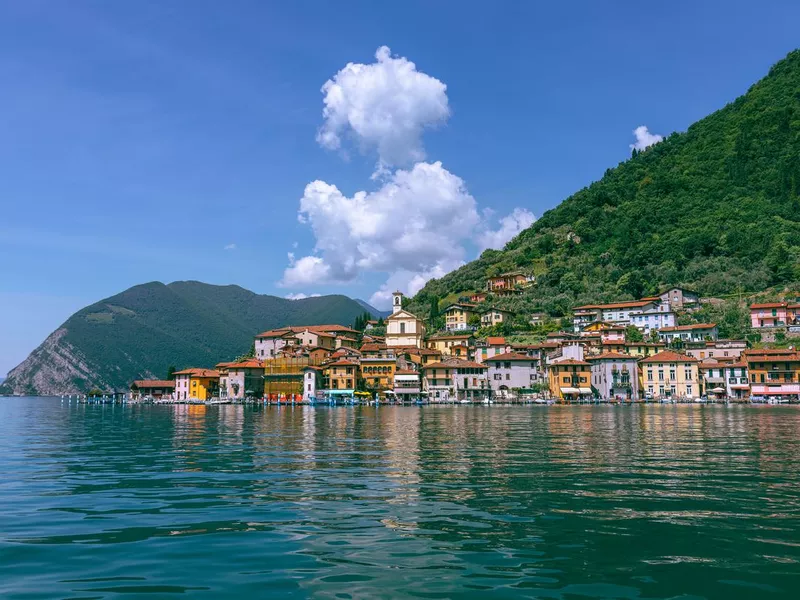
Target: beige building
[495, 316]
[445, 343]
[670, 375]
[457, 316]
[402, 327]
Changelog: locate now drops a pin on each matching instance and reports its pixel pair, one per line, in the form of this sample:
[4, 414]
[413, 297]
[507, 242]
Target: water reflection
[557, 502]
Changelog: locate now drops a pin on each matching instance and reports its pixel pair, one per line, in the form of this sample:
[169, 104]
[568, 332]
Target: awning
[718, 390]
[585, 390]
[570, 391]
[339, 392]
[715, 380]
[740, 386]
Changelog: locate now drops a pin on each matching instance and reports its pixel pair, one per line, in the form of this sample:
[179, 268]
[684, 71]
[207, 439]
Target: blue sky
[140, 139]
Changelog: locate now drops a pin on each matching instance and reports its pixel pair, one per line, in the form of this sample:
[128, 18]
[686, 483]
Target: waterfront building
[403, 329]
[242, 379]
[569, 379]
[495, 316]
[342, 374]
[510, 372]
[670, 375]
[712, 378]
[407, 385]
[737, 381]
[157, 389]
[455, 379]
[378, 373]
[615, 376]
[423, 356]
[312, 381]
[196, 384]
[284, 377]
[696, 332]
[774, 373]
[458, 316]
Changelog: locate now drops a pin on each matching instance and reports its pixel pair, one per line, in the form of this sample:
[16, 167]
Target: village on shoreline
[622, 352]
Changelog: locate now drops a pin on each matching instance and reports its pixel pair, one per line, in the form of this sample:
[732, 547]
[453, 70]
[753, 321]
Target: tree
[632, 334]
[381, 322]
[474, 321]
[171, 372]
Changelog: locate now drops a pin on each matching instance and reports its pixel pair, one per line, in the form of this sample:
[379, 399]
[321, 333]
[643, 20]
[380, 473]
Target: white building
[511, 371]
[455, 379]
[402, 327]
[698, 332]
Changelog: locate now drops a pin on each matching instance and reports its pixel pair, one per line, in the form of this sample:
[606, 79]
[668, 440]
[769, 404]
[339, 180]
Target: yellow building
[196, 384]
[444, 343]
[283, 376]
[458, 316]
[670, 375]
[342, 374]
[570, 379]
[378, 373]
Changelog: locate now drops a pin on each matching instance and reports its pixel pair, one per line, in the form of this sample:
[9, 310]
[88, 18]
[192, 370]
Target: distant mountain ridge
[372, 310]
[144, 330]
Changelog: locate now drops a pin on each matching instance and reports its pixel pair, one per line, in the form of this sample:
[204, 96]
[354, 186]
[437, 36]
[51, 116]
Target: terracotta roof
[275, 333]
[372, 347]
[569, 361]
[612, 356]
[342, 362]
[769, 305]
[689, 327]
[455, 363]
[153, 383]
[496, 341]
[668, 356]
[250, 363]
[509, 356]
[406, 372]
[451, 337]
[198, 372]
[425, 351]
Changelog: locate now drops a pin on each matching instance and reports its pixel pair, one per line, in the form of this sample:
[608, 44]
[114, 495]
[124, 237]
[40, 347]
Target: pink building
[773, 314]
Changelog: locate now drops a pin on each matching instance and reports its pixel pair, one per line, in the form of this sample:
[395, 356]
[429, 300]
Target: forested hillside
[716, 208]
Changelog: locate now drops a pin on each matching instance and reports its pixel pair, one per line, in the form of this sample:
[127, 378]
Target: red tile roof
[198, 372]
[569, 361]
[455, 363]
[769, 305]
[689, 327]
[611, 356]
[342, 362]
[668, 356]
[406, 372]
[496, 341]
[509, 356]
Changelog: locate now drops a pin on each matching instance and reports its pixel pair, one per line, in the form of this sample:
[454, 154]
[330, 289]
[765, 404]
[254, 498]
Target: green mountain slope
[716, 208]
[145, 329]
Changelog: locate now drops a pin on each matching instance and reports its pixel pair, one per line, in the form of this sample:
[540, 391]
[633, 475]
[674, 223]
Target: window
[688, 390]
[508, 376]
[402, 327]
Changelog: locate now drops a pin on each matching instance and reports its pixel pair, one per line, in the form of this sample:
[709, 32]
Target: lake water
[431, 502]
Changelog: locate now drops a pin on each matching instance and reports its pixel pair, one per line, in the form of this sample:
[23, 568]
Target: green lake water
[429, 502]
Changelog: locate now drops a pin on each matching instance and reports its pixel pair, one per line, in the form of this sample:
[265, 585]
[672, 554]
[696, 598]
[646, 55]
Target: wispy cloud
[229, 247]
[301, 296]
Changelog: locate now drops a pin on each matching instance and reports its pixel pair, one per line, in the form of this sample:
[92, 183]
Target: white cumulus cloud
[412, 227]
[644, 138]
[385, 105]
[510, 226]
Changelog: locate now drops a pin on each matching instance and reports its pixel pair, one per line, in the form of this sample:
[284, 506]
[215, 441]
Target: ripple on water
[438, 502]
